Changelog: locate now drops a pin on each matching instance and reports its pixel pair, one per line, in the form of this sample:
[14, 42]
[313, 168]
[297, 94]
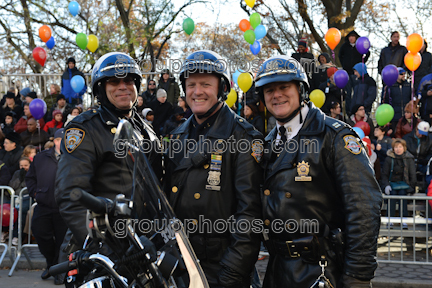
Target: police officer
[321, 200]
[209, 183]
[88, 158]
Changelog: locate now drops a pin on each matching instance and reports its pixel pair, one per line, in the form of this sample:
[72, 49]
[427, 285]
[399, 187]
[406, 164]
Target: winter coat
[21, 126]
[66, 89]
[148, 97]
[257, 122]
[398, 95]
[332, 94]
[52, 126]
[404, 127]
[34, 138]
[424, 69]
[173, 91]
[365, 92]
[349, 56]
[403, 169]
[319, 74]
[392, 55]
[162, 112]
[5, 175]
[426, 104]
[16, 182]
[425, 150]
[18, 110]
[385, 146]
[170, 125]
[67, 110]
[352, 121]
[11, 158]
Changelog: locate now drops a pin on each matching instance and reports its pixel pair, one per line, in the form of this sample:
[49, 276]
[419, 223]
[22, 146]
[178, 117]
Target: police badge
[213, 178]
[303, 171]
[73, 138]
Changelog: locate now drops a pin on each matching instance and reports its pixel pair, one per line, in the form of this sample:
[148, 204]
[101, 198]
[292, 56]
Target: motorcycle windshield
[147, 190]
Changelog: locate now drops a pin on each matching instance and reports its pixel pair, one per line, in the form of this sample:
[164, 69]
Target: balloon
[39, 55]
[412, 61]
[245, 81]
[255, 48]
[333, 37]
[50, 43]
[341, 78]
[384, 114]
[93, 43]
[45, 33]
[235, 76]
[77, 82]
[359, 132]
[249, 36]
[244, 25]
[250, 3]
[6, 215]
[81, 40]
[74, 8]
[38, 108]
[260, 32]
[255, 20]
[363, 45]
[188, 26]
[317, 97]
[231, 98]
[390, 74]
[364, 126]
[414, 43]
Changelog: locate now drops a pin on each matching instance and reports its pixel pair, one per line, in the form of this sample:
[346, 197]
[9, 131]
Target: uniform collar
[293, 126]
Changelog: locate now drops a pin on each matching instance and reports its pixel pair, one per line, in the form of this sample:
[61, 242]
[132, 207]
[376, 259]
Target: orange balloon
[244, 25]
[412, 61]
[414, 43]
[333, 37]
[45, 33]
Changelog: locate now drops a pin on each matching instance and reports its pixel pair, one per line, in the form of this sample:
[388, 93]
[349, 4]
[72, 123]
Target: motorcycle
[158, 256]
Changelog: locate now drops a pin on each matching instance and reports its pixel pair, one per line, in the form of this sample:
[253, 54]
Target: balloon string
[363, 65]
[343, 114]
[334, 57]
[385, 91]
[412, 101]
[38, 125]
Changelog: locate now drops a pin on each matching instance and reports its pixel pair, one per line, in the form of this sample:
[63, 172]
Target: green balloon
[188, 26]
[384, 114]
[255, 20]
[81, 40]
[249, 36]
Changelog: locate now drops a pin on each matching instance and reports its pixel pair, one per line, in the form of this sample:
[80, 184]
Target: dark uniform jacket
[89, 162]
[193, 192]
[340, 193]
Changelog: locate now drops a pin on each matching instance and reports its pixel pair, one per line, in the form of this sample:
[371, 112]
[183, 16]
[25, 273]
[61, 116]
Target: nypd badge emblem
[352, 144]
[73, 138]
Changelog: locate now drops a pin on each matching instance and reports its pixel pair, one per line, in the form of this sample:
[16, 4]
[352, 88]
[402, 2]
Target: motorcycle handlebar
[60, 268]
[89, 201]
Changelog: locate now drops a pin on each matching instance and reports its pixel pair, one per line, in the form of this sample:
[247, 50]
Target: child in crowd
[56, 123]
[75, 112]
[29, 152]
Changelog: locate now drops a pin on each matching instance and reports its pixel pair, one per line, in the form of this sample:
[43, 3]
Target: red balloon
[6, 215]
[367, 143]
[39, 55]
[364, 126]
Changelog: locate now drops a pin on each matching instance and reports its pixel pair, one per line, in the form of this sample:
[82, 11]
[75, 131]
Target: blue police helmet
[115, 64]
[282, 69]
[206, 61]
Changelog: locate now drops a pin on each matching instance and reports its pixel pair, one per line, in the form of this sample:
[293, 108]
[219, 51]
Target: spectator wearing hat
[148, 116]
[332, 92]
[61, 104]
[320, 75]
[358, 113]
[16, 94]
[174, 121]
[10, 106]
[251, 115]
[9, 123]
[365, 89]
[47, 224]
[33, 135]
[12, 151]
[398, 96]
[150, 94]
[162, 110]
[305, 58]
[168, 83]
[335, 111]
[71, 96]
[408, 121]
[30, 97]
[348, 54]
[21, 126]
[56, 123]
[419, 144]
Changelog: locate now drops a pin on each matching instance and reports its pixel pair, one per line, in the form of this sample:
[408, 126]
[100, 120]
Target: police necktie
[282, 131]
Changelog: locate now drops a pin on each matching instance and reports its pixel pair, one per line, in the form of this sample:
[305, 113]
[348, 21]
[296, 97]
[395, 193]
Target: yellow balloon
[245, 81]
[231, 98]
[317, 97]
[93, 43]
[250, 3]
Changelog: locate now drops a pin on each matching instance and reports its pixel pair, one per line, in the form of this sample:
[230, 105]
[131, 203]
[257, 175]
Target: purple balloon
[341, 78]
[363, 45]
[38, 108]
[390, 74]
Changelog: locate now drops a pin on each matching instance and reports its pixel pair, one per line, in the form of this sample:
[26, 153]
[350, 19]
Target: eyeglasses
[152, 83]
[114, 81]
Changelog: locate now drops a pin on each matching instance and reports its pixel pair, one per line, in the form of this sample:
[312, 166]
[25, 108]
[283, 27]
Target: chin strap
[104, 101]
[222, 94]
[210, 111]
[292, 115]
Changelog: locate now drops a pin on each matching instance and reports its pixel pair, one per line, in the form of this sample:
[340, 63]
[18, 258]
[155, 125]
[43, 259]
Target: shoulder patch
[73, 138]
[352, 144]
[257, 151]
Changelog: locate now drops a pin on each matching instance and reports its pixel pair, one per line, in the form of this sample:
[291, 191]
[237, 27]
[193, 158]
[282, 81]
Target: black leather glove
[230, 278]
[352, 282]
[22, 174]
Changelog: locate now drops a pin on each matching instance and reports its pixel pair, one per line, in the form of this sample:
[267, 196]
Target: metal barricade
[22, 248]
[415, 227]
[7, 247]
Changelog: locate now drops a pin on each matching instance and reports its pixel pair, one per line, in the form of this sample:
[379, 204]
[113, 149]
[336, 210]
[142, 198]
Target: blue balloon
[77, 82]
[50, 43]
[260, 32]
[255, 48]
[74, 8]
[359, 132]
[235, 76]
